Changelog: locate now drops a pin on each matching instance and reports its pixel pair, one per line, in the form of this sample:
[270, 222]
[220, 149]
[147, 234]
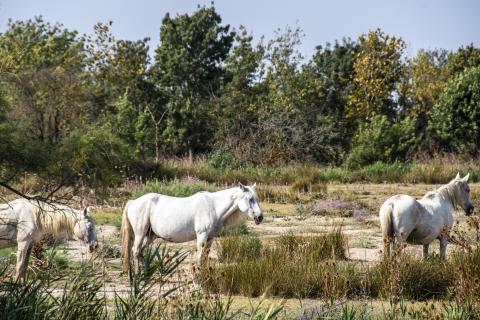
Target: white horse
[403, 218]
[200, 216]
[22, 222]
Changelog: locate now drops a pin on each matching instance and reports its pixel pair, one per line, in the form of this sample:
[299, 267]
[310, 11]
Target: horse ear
[458, 175]
[242, 186]
[254, 186]
[465, 179]
[86, 212]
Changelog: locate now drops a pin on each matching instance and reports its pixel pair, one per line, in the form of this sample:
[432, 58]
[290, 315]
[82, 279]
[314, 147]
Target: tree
[455, 118]
[333, 66]
[293, 124]
[237, 106]
[115, 67]
[188, 68]
[462, 59]
[42, 69]
[378, 69]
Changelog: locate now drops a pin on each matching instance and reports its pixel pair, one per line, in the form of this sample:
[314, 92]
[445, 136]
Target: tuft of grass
[292, 266]
[410, 277]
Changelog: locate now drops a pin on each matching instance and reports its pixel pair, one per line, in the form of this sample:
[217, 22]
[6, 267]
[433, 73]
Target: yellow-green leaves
[377, 70]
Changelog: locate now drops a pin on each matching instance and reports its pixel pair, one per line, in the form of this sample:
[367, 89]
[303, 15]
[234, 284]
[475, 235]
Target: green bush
[220, 159]
[382, 140]
[455, 117]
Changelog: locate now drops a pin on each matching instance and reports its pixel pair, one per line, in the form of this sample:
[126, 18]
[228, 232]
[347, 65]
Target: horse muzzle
[92, 247]
[469, 210]
[258, 219]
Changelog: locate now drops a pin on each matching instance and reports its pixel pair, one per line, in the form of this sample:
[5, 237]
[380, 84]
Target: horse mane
[448, 192]
[55, 219]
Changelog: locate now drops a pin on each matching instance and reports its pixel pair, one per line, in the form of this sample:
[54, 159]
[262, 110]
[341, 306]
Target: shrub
[455, 117]
[382, 140]
[220, 159]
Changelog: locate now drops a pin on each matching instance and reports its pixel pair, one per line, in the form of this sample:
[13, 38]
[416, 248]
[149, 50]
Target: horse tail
[386, 222]
[127, 238]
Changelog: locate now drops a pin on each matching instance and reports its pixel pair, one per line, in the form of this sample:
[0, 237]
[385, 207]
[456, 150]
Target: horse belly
[421, 236]
[173, 230]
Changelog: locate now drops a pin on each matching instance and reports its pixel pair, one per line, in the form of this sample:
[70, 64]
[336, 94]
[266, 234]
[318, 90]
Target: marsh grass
[174, 188]
[316, 267]
[303, 177]
[108, 216]
[410, 277]
[150, 295]
[292, 266]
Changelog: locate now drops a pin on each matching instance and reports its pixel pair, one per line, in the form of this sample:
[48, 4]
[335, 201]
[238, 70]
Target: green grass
[304, 177]
[292, 266]
[8, 252]
[175, 188]
[112, 217]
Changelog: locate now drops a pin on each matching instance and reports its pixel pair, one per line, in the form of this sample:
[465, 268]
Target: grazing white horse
[22, 222]
[403, 218]
[200, 216]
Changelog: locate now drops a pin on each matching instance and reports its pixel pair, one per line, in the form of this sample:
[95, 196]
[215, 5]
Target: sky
[422, 24]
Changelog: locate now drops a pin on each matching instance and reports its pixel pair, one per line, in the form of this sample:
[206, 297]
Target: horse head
[462, 193]
[248, 203]
[85, 229]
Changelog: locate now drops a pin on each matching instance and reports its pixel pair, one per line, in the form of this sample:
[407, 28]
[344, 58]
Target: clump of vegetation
[409, 277]
[292, 266]
[149, 295]
[174, 188]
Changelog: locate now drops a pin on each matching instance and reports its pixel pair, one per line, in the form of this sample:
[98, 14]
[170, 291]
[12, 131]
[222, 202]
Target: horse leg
[443, 246]
[386, 246]
[22, 260]
[208, 245]
[202, 243]
[137, 252]
[425, 251]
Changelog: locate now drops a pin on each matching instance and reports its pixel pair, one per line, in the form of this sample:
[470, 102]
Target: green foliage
[294, 266]
[220, 159]
[98, 154]
[378, 68]
[42, 66]
[462, 59]
[455, 118]
[173, 188]
[411, 278]
[382, 140]
[93, 110]
[188, 65]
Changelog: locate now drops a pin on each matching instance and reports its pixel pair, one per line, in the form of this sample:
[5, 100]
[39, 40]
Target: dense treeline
[93, 108]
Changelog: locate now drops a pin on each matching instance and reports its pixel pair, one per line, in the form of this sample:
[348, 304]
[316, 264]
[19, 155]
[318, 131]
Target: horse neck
[55, 219]
[224, 202]
[448, 194]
